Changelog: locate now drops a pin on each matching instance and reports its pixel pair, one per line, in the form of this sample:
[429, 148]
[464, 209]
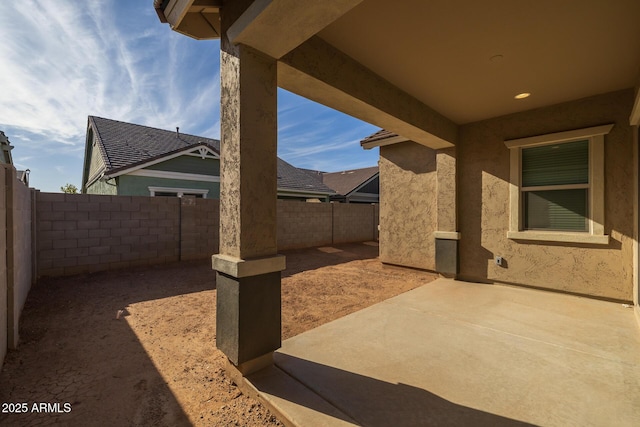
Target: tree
[69, 189]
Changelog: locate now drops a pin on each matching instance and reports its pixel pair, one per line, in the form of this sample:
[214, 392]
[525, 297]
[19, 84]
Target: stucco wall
[408, 211]
[483, 174]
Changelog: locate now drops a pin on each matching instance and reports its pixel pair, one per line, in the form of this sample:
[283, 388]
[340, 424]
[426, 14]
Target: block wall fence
[54, 234]
[16, 249]
[82, 233]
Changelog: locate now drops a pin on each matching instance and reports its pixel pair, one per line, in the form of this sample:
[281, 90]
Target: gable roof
[381, 138]
[381, 134]
[124, 146]
[292, 178]
[347, 181]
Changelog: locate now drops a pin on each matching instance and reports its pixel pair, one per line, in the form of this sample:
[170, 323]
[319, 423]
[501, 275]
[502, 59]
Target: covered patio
[474, 99]
[458, 353]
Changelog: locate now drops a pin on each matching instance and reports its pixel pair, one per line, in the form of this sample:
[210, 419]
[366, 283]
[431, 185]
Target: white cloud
[64, 60]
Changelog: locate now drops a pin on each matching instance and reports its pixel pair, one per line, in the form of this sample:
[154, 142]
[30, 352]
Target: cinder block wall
[3, 269]
[200, 228]
[79, 233]
[19, 255]
[86, 233]
[353, 223]
[304, 225]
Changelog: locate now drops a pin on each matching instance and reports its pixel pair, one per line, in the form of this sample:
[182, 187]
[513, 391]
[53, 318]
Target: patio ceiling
[467, 59]
[420, 68]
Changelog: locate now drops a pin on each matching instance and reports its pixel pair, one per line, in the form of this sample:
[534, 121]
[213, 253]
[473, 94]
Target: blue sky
[63, 60]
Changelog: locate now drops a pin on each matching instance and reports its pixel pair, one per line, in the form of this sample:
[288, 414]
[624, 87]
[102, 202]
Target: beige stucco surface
[483, 174]
[320, 72]
[446, 190]
[408, 209]
[248, 167]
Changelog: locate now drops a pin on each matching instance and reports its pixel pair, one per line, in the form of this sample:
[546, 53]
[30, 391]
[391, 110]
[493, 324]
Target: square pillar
[248, 267]
[447, 235]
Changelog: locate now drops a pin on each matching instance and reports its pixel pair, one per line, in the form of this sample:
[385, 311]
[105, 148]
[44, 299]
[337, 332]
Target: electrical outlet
[499, 261]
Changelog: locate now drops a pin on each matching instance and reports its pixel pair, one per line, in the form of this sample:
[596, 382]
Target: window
[177, 192]
[557, 186]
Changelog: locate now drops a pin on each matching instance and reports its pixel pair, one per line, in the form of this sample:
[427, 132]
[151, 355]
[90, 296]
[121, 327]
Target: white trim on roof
[284, 191]
[96, 176]
[384, 141]
[355, 190]
[198, 149]
[175, 175]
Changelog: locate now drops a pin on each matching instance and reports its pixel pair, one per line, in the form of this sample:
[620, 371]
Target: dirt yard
[137, 347]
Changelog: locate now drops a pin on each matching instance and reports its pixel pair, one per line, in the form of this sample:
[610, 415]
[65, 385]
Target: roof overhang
[302, 193]
[198, 19]
[202, 150]
[392, 139]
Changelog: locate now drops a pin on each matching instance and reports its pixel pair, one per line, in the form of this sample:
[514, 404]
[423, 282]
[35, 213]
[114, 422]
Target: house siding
[129, 185]
[189, 164]
[101, 187]
[483, 174]
[96, 163]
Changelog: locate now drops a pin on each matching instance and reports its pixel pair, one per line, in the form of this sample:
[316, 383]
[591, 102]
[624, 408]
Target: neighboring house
[5, 149]
[351, 186]
[354, 186]
[23, 176]
[134, 160]
[6, 158]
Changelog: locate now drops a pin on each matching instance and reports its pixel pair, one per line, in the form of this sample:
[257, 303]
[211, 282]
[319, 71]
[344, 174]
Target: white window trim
[151, 173]
[595, 235]
[179, 191]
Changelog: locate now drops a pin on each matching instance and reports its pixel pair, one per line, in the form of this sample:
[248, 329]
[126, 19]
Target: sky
[63, 60]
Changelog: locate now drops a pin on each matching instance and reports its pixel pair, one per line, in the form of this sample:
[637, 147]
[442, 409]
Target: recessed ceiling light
[496, 58]
[522, 95]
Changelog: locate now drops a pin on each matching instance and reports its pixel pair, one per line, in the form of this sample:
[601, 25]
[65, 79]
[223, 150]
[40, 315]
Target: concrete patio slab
[457, 353]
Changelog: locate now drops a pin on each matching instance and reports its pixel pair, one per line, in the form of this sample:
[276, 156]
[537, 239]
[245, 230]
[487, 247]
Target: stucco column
[248, 267]
[447, 234]
[636, 221]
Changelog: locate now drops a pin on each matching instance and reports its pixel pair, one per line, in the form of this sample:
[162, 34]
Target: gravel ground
[136, 347]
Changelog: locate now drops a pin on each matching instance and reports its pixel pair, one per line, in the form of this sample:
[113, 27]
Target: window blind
[562, 210]
[556, 164]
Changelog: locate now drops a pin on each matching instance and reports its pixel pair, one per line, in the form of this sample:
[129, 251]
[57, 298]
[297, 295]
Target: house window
[557, 187]
[177, 192]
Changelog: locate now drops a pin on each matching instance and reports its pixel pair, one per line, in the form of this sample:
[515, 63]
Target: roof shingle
[124, 145]
[346, 181]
